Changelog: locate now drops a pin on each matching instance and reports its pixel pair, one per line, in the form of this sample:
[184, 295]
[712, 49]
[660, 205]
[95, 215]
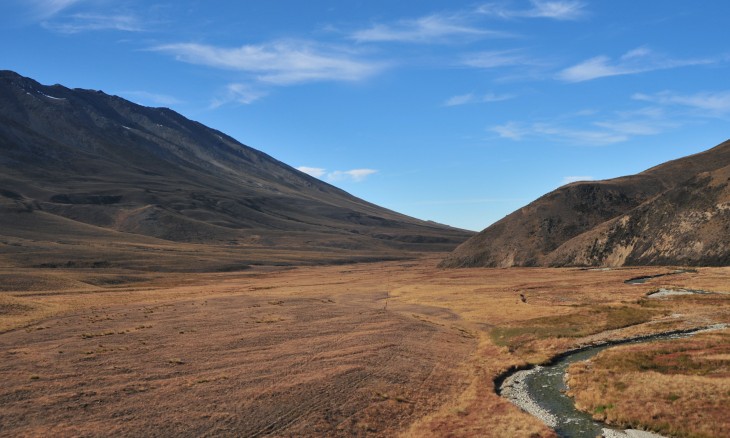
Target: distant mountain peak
[83, 157]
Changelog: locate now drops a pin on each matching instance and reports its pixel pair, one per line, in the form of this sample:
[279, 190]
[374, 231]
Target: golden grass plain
[656, 384]
[370, 349]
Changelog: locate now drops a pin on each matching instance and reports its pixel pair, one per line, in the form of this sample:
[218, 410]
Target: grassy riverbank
[377, 349]
[679, 387]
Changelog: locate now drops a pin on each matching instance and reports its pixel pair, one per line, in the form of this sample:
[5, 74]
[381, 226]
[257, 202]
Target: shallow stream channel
[540, 391]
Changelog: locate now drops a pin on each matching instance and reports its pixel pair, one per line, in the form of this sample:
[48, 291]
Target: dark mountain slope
[648, 218]
[103, 161]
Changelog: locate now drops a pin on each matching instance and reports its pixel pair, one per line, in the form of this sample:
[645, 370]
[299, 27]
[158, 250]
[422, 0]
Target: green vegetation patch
[698, 356]
[600, 409]
[574, 325]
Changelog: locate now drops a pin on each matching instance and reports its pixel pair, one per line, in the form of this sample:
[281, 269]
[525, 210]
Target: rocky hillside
[78, 163]
[677, 213]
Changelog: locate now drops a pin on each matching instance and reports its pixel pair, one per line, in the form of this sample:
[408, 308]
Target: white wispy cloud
[511, 130]
[495, 59]
[461, 99]
[316, 172]
[635, 61]
[428, 29]
[631, 128]
[579, 136]
[635, 122]
[560, 133]
[238, 93]
[553, 9]
[573, 128]
[558, 10]
[89, 22]
[710, 103]
[518, 65]
[280, 62]
[572, 179]
[45, 9]
[464, 99]
[355, 175]
[145, 97]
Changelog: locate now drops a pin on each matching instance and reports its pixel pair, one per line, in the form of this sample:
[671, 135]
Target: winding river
[644, 279]
[539, 391]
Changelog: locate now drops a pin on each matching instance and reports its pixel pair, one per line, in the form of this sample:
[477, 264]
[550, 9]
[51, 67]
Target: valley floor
[377, 349]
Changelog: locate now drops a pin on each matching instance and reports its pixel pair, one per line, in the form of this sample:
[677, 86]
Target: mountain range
[677, 213]
[90, 179]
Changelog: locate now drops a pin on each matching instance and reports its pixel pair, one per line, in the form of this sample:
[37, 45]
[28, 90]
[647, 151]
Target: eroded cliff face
[677, 213]
[687, 225]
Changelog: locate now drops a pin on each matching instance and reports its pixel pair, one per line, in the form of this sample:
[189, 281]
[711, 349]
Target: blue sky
[458, 112]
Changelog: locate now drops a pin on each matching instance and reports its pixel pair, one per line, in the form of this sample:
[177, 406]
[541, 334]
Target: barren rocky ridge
[677, 213]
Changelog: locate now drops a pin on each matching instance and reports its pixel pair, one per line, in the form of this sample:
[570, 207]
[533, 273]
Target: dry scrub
[376, 349]
[678, 388]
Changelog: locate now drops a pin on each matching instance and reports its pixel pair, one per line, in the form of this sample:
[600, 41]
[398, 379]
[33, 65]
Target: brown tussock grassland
[370, 349]
[677, 388]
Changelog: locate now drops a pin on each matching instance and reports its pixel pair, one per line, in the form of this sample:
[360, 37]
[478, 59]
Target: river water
[642, 280]
[539, 391]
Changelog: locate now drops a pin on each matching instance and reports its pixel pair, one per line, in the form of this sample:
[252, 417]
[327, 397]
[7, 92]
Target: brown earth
[380, 349]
